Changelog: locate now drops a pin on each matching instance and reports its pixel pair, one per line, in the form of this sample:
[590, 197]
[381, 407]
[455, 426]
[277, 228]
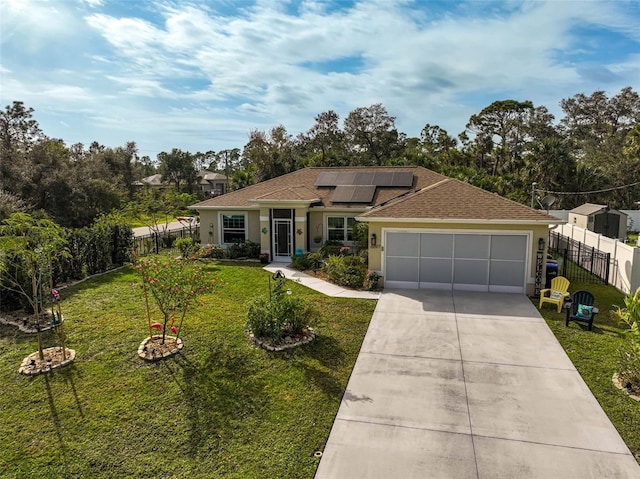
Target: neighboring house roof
[211, 176]
[592, 209]
[453, 200]
[302, 182]
[430, 197]
[153, 180]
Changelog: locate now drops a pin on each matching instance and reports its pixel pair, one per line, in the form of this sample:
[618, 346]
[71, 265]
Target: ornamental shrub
[347, 271]
[187, 247]
[280, 315]
[629, 366]
[243, 249]
[330, 248]
[300, 262]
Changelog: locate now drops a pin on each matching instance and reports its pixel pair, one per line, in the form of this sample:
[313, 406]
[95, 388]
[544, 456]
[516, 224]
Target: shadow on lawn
[323, 371]
[67, 373]
[220, 392]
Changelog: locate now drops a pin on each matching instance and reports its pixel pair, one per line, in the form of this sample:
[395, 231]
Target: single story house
[600, 219]
[425, 230]
[154, 182]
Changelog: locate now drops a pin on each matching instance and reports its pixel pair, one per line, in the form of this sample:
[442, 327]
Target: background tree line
[507, 146]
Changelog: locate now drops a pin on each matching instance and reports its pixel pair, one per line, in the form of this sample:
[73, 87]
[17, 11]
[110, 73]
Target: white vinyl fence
[624, 272]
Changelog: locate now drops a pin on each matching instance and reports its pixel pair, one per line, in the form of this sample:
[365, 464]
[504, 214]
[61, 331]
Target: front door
[282, 240]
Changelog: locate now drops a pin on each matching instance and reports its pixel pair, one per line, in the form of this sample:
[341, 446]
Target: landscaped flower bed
[287, 342]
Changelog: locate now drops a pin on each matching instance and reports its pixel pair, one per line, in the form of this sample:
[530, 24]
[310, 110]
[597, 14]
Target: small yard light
[541, 244]
[373, 239]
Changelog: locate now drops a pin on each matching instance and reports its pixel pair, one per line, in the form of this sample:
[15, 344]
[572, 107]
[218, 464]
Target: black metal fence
[578, 261]
[155, 242]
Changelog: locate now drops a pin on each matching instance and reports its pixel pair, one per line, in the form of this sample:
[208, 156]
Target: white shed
[600, 219]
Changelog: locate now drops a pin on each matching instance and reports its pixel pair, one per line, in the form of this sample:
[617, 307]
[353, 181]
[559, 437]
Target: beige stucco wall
[212, 217]
[316, 229]
[535, 232]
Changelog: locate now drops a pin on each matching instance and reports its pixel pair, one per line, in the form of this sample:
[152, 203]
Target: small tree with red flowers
[174, 285]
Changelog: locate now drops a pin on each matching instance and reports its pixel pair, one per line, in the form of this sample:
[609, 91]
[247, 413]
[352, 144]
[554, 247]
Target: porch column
[265, 232]
[300, 230]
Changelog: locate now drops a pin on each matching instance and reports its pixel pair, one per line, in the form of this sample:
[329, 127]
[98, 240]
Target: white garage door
[476, 262]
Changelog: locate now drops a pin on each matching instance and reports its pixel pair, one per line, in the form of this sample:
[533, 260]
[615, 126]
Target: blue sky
[200, 75]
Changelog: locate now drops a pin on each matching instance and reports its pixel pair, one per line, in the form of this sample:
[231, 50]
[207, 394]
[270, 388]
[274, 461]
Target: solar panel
[327, 178]
[353, 194]
[363, 194]
[362, 178]
[383, 178]
[342, 194]
[402, 178]
[365, 178]
[346, 178]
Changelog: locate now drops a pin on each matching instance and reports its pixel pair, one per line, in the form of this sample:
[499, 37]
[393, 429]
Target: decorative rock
[145, 351]
[32, 364]
[617, 383]
[288, 342]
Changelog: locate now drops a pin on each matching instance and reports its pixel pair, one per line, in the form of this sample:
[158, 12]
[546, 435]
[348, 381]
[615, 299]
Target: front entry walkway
[468, 385]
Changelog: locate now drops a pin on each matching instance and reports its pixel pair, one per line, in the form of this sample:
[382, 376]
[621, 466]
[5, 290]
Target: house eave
[227, 208]
[300, 203]
[379, 219]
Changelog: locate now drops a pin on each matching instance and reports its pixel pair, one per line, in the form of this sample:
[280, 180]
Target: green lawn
[595, 355]
[221, 408]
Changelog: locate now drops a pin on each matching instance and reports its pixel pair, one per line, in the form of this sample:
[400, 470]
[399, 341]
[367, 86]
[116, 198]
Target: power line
[586, 192]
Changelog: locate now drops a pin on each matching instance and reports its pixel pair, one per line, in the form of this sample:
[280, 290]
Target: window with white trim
[340, 228]
[234, 228]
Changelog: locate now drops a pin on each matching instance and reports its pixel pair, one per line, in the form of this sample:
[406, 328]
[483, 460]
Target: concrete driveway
[468, 385]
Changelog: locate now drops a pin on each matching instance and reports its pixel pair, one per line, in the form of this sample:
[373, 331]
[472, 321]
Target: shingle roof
[432, 196]
[153, 180]
[452, 199]
[289, 187]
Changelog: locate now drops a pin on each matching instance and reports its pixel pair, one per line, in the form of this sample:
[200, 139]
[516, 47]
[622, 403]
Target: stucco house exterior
[600, 219]
[425, 230]
[212, 184]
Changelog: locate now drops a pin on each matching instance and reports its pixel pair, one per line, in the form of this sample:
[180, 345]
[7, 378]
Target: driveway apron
[456, 384]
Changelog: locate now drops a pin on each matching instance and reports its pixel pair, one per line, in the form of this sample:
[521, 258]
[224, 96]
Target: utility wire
[586, 192]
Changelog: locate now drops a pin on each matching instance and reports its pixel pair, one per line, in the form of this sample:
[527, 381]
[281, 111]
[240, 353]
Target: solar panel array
[402, 179]
[353, 193]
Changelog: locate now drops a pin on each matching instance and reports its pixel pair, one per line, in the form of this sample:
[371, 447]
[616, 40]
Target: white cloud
[262, 65]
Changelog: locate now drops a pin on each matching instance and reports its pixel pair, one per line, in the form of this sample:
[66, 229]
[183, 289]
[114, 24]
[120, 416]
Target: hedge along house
[425, 230]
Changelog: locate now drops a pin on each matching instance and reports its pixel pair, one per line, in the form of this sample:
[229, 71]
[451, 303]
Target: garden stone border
[289, 342]
[30, 367]
[151, 355]
[28, 329]
[616, 382]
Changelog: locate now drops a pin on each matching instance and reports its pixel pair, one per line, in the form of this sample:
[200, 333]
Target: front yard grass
[595, 356]
[221, 408]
